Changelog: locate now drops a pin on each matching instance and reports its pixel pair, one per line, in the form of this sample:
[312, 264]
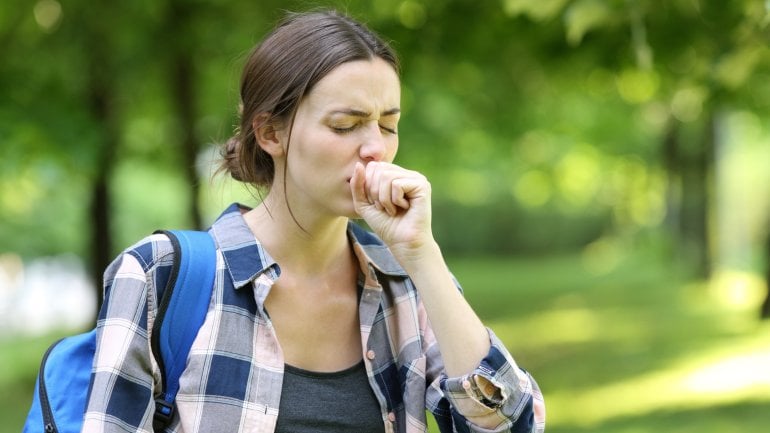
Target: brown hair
[282, 69]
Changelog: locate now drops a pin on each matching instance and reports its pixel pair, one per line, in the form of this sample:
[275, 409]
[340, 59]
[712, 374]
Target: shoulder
[151, 250]
[141, 259]
[137, 276]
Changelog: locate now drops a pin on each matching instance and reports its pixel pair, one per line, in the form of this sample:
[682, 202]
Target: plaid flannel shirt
[232, 381]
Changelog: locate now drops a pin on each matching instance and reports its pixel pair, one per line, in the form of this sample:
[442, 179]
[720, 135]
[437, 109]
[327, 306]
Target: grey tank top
[340, 402]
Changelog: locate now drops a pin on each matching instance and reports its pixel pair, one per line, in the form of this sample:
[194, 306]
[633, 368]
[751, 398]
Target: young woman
[315, 324]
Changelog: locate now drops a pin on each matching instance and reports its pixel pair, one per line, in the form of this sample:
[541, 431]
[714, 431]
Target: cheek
[322, 151]
[308, 147]
[392, 150]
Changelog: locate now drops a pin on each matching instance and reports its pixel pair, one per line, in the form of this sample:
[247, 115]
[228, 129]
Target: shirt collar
[246, 259]
[244, 256]
[371, 250]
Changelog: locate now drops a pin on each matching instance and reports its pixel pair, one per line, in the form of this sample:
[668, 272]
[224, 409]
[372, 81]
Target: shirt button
[392, 417]
[466, 384]
[370, 354]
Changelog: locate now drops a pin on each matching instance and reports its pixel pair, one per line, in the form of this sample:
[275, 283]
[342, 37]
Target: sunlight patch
[736, 372]
[742, 372]
[738, 290]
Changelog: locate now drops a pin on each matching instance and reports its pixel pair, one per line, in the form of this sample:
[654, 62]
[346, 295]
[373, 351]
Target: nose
[374, 146]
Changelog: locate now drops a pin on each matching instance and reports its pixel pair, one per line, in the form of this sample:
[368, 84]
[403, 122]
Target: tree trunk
[182, 84]
[688, 165]
[184, 97]
[101, 239]
[672, 163]
[100, 99]
[697, 173]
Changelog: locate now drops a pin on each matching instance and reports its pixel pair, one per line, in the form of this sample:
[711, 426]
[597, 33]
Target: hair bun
[230, 154]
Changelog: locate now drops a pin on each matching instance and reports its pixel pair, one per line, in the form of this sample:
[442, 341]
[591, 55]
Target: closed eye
[389, 130]
[343, 130]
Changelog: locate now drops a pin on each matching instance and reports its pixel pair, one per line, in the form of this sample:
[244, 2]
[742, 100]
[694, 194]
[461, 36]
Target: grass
[19, 362]
[637, 348]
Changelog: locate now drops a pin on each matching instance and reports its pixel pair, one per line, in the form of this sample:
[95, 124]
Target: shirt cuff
[495, 392]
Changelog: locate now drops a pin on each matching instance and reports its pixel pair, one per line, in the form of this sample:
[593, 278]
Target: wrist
[421, 255]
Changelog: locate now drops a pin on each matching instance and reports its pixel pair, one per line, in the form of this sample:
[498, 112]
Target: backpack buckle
[163, 414]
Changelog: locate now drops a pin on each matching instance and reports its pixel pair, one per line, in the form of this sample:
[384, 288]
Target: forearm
[462, 338]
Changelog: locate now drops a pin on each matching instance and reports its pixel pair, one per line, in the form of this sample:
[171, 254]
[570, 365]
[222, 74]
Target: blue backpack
[59, 402]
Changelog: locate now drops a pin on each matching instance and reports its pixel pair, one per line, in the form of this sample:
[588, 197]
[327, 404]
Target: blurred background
[599, 167]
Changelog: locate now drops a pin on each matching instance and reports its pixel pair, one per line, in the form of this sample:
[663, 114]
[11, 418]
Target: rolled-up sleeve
[498, 396]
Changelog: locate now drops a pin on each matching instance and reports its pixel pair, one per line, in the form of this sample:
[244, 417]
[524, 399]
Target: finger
[398, 193]
[371, 183]
[382, 178]
[385, 193]
[395, 185]
[358, 187]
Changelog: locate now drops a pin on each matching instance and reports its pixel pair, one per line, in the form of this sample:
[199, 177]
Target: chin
[346, 208]
[349, 211]
[352, 214]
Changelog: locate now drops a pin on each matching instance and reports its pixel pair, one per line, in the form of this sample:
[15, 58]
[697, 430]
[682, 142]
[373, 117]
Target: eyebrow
[359, 113]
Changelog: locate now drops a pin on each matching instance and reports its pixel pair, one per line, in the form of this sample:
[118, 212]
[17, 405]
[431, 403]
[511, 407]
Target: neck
[318, 246]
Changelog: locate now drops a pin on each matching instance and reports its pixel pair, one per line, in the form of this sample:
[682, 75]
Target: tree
[182, 81]
[699, 58]
[101, 99]
[529, 120]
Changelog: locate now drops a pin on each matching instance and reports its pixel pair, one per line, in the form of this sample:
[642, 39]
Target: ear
[267, 134]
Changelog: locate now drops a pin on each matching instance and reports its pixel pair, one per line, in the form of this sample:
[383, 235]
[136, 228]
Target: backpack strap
[181, 312]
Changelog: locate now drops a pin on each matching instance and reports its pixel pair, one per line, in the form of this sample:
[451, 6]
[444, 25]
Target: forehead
[369, 85]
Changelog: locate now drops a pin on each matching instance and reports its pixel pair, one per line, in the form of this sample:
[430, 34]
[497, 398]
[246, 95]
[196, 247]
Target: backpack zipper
[49, 424]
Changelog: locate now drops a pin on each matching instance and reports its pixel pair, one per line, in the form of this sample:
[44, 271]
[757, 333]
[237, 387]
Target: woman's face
[351, 115]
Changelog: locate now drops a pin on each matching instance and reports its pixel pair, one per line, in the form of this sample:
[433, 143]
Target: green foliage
[497, 97]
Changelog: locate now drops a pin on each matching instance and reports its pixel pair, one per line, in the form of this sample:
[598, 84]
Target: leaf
[537, 10]
[735, 68]
[584, 16]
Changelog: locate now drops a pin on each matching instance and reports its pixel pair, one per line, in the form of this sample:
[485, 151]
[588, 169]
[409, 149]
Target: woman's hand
[395, 202]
